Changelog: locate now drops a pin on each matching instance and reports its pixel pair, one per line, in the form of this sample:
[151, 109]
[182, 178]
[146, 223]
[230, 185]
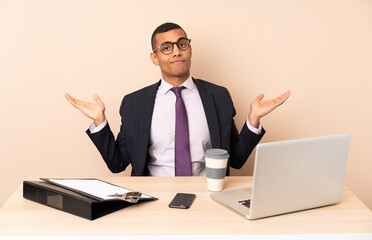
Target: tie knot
[177, 91]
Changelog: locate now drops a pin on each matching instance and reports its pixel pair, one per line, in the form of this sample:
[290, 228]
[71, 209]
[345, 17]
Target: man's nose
[176, 50]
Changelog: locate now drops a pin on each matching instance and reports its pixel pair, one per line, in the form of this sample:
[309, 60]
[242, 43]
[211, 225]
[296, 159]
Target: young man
[167, 127]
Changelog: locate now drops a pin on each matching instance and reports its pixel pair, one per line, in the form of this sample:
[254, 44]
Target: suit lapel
[210, 112]
[147, 107]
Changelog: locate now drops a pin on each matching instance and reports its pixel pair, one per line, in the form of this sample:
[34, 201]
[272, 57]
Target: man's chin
[186, 75]
[180, 74]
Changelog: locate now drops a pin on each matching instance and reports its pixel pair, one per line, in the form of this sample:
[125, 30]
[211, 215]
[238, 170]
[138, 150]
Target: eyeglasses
[167, 47]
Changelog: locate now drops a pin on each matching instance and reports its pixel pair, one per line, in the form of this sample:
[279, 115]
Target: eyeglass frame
[181, 38]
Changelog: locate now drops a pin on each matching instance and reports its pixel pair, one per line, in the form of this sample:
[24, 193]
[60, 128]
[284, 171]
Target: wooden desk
[19, 216]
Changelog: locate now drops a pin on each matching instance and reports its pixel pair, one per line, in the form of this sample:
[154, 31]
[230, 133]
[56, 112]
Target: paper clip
[131, 197]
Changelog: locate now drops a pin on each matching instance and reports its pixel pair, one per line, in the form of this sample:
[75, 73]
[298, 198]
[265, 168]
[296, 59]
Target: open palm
[95, 110]
[261, 108]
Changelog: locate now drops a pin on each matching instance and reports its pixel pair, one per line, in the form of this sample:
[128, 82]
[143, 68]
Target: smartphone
[182, 200]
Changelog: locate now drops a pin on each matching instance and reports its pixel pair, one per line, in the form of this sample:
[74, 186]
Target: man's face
[178, 63]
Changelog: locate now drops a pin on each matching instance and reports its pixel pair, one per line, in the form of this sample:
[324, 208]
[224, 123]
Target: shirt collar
[165, 87]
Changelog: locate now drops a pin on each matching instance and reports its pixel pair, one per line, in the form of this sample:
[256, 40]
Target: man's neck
[176, 81]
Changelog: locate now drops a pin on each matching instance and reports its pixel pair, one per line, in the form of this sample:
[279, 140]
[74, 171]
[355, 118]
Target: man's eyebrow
[171, 42]
[181, 38]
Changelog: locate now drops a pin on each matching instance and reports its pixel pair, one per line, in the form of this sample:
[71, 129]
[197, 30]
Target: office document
[93, 187]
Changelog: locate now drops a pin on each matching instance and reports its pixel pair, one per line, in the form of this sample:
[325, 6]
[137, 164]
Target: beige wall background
[321, 50]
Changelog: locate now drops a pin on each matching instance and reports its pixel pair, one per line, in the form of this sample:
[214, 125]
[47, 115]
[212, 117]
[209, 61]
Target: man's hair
[165, 27]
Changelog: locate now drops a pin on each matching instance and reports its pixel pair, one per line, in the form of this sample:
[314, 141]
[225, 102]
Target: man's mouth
[178, 61]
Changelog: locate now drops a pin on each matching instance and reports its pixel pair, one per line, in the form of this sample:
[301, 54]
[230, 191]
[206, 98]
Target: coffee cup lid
[216, 153]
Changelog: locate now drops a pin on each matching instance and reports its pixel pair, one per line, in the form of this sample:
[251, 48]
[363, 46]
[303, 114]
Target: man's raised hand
[95, 111]
[261, 108]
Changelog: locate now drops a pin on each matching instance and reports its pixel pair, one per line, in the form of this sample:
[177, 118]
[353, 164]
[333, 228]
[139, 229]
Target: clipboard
[93, 187]
[75, 201]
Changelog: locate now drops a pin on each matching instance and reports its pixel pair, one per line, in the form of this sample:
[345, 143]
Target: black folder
[77, 203]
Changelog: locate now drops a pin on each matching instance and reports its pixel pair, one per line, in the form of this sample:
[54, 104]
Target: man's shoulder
[210, 87]
[202, 85]
[145, 91]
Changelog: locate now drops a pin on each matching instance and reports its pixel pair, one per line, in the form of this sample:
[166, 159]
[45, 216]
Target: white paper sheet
[94, 187]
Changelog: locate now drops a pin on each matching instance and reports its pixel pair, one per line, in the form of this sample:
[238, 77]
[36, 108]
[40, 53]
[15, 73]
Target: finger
[67, 96]
[75, 102]
[286, 94]
[70, 99]
[97, 98]
[259, 97]
[282, 98]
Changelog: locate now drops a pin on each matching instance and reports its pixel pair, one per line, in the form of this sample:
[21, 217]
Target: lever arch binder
[72, 201]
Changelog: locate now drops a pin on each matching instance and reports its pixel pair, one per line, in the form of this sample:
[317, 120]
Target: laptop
[291, 176]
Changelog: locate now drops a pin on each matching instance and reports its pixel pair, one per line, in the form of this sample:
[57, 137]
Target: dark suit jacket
[131, 145]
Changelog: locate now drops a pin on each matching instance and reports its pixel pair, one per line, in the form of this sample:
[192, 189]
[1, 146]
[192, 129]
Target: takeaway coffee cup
[216, 162]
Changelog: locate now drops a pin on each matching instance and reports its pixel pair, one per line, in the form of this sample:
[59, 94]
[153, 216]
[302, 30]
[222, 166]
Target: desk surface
[19, 216]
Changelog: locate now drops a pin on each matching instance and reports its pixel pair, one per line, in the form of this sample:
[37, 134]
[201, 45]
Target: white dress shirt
[162, 132]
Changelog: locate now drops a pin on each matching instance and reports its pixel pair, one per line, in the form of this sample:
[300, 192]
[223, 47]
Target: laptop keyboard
[246, 203]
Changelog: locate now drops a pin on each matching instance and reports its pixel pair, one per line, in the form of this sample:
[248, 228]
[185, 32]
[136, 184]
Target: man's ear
[154, 59]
